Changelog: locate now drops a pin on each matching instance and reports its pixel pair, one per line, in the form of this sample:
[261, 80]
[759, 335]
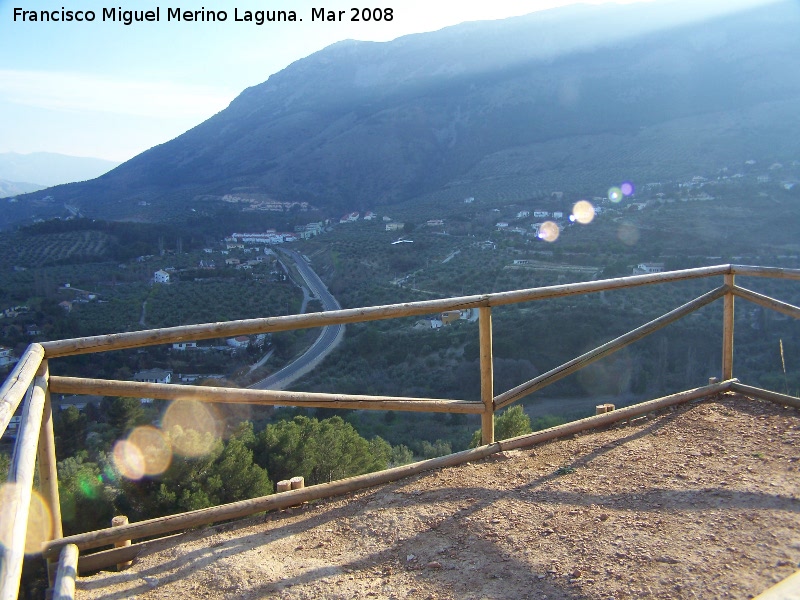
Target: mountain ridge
[366, 124]
[45, 169]
[14, 188]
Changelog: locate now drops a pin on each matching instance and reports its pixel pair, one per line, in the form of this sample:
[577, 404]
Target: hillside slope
[359, 125]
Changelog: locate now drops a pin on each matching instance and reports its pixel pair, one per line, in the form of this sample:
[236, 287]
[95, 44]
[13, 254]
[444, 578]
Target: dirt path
[697, 502]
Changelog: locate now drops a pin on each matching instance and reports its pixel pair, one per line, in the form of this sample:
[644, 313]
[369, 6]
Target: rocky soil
[695, 502]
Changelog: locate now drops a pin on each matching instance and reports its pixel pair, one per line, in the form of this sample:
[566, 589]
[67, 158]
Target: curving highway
[328, 338]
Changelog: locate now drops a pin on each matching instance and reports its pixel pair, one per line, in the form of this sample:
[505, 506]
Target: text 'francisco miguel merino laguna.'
[154, 15]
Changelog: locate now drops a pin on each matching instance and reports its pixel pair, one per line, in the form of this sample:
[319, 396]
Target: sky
[108, 90]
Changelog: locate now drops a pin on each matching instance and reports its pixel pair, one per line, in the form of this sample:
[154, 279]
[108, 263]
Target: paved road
[328, 338]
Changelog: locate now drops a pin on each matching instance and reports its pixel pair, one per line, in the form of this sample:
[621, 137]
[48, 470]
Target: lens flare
[40, 521]
[611, 376]
[583, 212]
[627, 188]
[192, 427]
[40, 524]
[549, 231]
[615, 194]
[109, 475]
[154, 448]
[87, 487]
[628, 233]
[129, 460]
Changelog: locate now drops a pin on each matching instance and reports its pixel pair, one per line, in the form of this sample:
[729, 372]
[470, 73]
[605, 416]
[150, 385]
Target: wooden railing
[30, 385]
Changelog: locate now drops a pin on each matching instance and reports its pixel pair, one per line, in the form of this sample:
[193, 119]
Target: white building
[154, 376]
[6, 356]
[647, 268]
[184, 346]
[241, 341]
[161, 276]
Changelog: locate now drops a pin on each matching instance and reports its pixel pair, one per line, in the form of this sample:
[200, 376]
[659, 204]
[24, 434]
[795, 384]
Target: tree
[70, 428]
[319, 451]
[511, 423]
[87, 494]
[241, 477]
[225, 473]
[427, 450]
[123, 414]
[401, 455]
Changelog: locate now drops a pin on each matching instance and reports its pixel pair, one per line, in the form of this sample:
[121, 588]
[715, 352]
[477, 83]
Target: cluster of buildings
[169, 376]
[271, 236]
[14, 311]
[355, 216]
[532, 229]
[448, 318]
[80, 296]
[158, 375]
[775, 171]
[256, 204]
[7, 358]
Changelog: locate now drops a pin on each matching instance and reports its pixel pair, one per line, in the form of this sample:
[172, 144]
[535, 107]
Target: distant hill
[552, 99]
[15, 188]
[46, 169]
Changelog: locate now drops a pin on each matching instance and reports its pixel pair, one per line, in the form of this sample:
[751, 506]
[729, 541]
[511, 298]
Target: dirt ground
[696, 502]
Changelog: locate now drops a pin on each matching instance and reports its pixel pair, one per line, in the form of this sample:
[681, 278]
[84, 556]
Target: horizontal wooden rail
[771, 272]
[588, 358]
[166, 391]
[27, 378]
[18, 382]
[16, 497]
[767, 302]
[614, 416]
[136, 339]
[788, 589]
[243, 508]
[97, 561]
[782, 399]
[173, 523]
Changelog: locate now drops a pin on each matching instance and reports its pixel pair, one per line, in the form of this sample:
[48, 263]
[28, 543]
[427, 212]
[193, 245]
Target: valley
[542, 150]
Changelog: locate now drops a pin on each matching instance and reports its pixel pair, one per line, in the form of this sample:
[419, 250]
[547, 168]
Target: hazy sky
[108, 90]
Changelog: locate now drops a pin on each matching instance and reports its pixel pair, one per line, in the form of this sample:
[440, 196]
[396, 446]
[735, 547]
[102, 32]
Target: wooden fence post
[48, 475]
[116, 522]
[727, 330]
[487, 375]
[66, 574]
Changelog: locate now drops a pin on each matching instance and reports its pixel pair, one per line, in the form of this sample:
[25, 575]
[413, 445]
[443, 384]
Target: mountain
[47, 169]
[15, 188]
[555, 98]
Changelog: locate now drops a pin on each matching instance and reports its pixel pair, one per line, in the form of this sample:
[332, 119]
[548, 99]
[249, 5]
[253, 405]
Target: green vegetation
[94, 485]
[223, 474]
[403, 357]
[320, 451]
[510, 423]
